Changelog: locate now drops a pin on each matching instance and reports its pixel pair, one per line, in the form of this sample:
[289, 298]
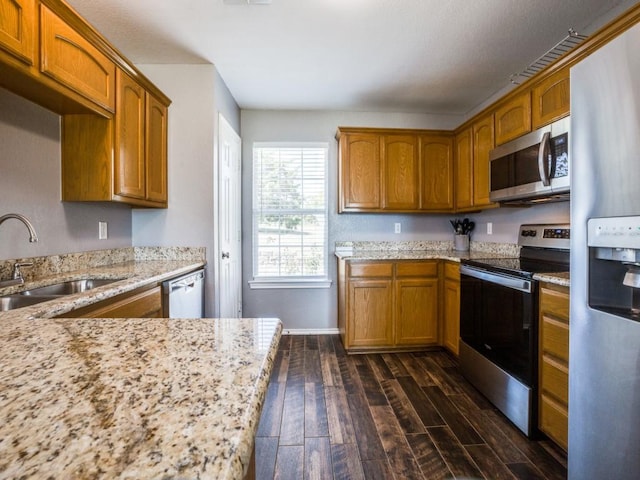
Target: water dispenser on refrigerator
[614, 265]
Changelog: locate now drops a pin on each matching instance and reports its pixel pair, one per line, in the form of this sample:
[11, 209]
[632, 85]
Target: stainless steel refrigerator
[604, 358]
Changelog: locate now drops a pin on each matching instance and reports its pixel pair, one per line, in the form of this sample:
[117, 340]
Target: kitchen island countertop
[129, 397]
[132, 398]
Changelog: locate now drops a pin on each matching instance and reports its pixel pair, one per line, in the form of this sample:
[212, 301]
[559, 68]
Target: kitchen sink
[11, 302]
[51, 292]
[70, 287]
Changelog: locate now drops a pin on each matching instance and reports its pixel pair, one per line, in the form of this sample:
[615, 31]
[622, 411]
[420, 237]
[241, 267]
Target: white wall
[190, 219]
[30, 184]
[317, 308]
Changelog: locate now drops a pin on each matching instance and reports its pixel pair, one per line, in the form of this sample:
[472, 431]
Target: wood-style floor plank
[346, 462]
[315, 411]
[431, 463]
[339, 416]
[292, 424]
[454, 454]
[458, 424]
[387, 416]
[317, 458]
[289, 463]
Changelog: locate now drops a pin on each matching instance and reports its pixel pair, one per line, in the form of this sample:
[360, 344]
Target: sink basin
[70, 287]
[11, 302]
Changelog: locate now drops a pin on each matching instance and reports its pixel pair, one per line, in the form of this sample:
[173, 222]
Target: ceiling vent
[564, 46]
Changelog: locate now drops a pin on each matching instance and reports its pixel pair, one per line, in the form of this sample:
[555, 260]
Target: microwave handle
[543, 155]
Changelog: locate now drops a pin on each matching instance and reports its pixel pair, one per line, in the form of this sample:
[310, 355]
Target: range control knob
[529, 233]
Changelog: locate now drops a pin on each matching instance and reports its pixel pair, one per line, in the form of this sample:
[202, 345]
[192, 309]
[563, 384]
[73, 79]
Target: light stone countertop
[129, 398]
[560, 278]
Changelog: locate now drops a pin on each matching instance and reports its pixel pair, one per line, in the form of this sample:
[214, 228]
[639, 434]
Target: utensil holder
[461, 242]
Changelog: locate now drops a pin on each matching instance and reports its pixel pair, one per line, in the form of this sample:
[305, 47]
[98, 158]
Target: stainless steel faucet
[16, 277]
[32, 232]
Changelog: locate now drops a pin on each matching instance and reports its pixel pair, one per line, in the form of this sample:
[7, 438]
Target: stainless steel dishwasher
[183, 297]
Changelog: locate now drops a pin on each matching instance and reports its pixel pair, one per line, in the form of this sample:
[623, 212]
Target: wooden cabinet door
[370, 315]
[145, 302]
[513, 118]
[400, 169]
[436, 160]
[553, 375]
[464, 168]
[18, 29]
[482, 145]
[416, 311]
[73, 61]
[129, 139]
[359, 171]
[550, 99]
[156, 150]
[451, 307]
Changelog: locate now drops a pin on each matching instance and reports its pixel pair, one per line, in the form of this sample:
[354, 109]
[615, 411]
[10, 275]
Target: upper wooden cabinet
[18, 29]
[400, 172]
[74, 62]
[359, 171]
[436, 162]
[395, 170]
[550, 98]
[513, 118]
[122, 159]
[482, 144]
[464, 169]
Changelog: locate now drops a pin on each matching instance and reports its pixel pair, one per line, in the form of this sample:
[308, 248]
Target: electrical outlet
[103, 232]
[489, 228]
[397, 228]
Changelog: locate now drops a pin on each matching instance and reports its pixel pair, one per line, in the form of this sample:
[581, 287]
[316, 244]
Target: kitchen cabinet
[416, 303]
[451, 306]
[436, 161]
[513, 118]
[388, 305]
[18, 30]
[70, 59]
[550, 98]
[144, 302]
[464, 169]
[400, 172]
[554, 363]
[483, 143]
[395, 170]
[122, 159]
[359, 171]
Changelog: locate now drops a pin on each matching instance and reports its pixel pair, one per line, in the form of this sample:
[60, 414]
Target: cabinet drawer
[555, 338]
[370, 269]
[554, 421]
[73, 61]
[452, 270]
[554, 380]
[555, 302]
[417, 269]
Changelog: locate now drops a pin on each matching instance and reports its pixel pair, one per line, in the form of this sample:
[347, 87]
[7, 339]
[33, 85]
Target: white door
[229, 288]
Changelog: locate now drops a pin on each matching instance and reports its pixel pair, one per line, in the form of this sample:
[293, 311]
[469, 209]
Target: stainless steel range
[499, 320]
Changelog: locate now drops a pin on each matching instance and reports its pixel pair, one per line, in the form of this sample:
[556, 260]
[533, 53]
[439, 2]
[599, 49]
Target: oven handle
[502, 280]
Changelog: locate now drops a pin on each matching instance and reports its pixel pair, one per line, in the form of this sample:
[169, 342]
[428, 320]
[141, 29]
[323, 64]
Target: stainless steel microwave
[533, 168]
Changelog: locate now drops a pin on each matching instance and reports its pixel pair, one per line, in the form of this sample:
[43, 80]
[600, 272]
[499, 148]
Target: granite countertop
[560, 278]
[129, 398]
[449, 254]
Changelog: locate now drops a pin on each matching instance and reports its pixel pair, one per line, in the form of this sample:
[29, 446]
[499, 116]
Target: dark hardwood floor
[329, 415]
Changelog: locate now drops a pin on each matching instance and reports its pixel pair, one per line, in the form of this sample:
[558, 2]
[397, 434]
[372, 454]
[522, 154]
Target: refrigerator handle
[543, 155]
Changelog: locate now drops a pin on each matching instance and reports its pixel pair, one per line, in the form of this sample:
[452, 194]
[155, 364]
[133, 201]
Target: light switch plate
[103, 232]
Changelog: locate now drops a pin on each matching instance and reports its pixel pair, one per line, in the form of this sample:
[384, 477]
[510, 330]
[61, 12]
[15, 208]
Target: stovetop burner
[544, 249]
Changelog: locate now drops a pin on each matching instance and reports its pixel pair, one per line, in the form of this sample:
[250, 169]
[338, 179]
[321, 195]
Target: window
[289, 215]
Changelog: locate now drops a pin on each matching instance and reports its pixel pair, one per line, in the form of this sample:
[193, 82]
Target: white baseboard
[310, 331]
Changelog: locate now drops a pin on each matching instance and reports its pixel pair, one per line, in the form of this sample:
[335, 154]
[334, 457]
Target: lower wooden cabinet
[388, 305]
[553, 376]
[451, 307]
[144, 302]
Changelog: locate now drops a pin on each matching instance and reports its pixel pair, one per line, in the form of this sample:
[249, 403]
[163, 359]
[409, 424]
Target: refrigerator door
[604, 365]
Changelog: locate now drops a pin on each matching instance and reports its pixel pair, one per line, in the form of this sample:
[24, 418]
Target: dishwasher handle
[187, 282]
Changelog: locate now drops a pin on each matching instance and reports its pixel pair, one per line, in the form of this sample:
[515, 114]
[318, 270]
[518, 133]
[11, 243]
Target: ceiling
[427, 56]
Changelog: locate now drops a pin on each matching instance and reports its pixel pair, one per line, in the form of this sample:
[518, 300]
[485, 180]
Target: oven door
[498, 319]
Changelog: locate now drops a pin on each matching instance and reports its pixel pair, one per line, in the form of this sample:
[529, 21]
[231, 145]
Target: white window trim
[260, 283]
